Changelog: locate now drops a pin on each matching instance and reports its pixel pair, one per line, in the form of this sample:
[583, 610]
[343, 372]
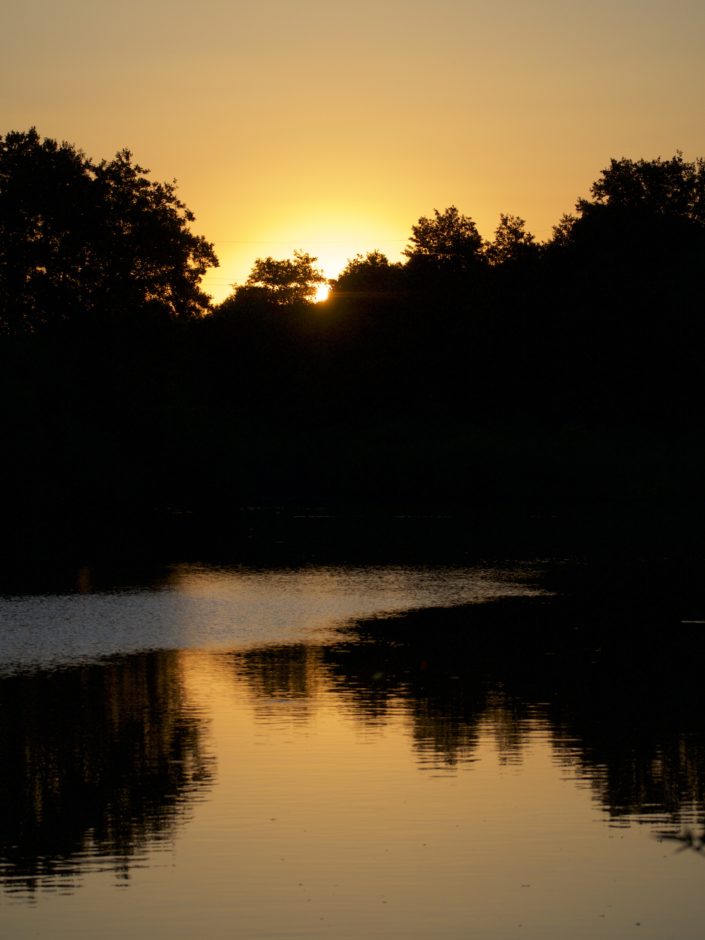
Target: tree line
[493, 376]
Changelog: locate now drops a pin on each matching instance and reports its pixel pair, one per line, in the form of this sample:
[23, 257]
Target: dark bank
[547, 393]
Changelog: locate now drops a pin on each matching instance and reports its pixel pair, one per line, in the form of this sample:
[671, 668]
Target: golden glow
[322, 292]
[332, 232]
[319, 133]
[328, 822]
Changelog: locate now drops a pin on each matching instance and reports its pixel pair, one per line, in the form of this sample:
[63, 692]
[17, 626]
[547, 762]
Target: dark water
[351, 752]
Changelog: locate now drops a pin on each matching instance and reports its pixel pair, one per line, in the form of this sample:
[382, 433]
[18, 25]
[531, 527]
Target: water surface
[195, 606]
[344, 753]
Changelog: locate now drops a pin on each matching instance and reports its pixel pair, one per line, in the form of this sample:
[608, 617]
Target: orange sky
[332, 127]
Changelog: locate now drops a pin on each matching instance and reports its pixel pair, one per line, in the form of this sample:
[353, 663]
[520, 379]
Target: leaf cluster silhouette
[478, 375]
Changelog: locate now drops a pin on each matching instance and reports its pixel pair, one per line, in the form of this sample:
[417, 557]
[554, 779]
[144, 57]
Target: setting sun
[322, 292]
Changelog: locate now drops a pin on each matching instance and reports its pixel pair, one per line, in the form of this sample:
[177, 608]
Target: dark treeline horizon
[502, 380]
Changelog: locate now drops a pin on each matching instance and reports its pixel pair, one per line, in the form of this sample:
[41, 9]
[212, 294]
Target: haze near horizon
[332, 128]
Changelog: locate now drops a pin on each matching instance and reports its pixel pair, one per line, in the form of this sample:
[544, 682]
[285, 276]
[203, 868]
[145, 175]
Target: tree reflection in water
[612, 693]
[98, 762]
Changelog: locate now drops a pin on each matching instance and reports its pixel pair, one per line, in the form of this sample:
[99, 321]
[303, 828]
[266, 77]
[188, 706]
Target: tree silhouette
[449, 241]
[479, 374]
[511, 242]
[282, 282]
[562, 231]
[83, 239]
[672, 187]
[368, 274]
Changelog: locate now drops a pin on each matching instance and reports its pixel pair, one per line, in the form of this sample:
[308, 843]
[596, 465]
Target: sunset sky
[332, 127]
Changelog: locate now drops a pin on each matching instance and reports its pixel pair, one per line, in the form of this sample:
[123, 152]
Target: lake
[394, 751]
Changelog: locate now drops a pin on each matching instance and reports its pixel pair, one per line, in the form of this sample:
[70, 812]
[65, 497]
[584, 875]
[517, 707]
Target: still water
[347, 753]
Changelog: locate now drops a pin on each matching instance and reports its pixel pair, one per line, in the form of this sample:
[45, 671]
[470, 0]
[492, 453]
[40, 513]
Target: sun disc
[322, 292]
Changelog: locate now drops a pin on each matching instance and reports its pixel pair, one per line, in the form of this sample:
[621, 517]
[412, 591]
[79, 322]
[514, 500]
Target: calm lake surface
[350, 753]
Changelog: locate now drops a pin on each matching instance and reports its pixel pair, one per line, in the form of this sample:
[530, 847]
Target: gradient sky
[333, 128]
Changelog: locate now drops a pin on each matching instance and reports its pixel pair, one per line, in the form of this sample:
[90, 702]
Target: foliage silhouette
[282, 283]
[512, 243]
[369, 275]
[672, 187]
[507, 380]
[84, 241]
[449, 241]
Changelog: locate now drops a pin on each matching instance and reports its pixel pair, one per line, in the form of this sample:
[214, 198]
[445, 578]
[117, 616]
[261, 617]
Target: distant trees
[80, 239]
[369, 274]
[511, 243]
[470, 368]
[282, 283]
[448, 242]
[638, 207]
[672, 187]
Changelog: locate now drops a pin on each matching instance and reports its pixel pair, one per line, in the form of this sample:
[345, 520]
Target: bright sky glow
[322, 292]
[332, 128]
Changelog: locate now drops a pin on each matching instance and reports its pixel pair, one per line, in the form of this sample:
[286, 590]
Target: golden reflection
[361, 789]
[445, 707]
[331, 821]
